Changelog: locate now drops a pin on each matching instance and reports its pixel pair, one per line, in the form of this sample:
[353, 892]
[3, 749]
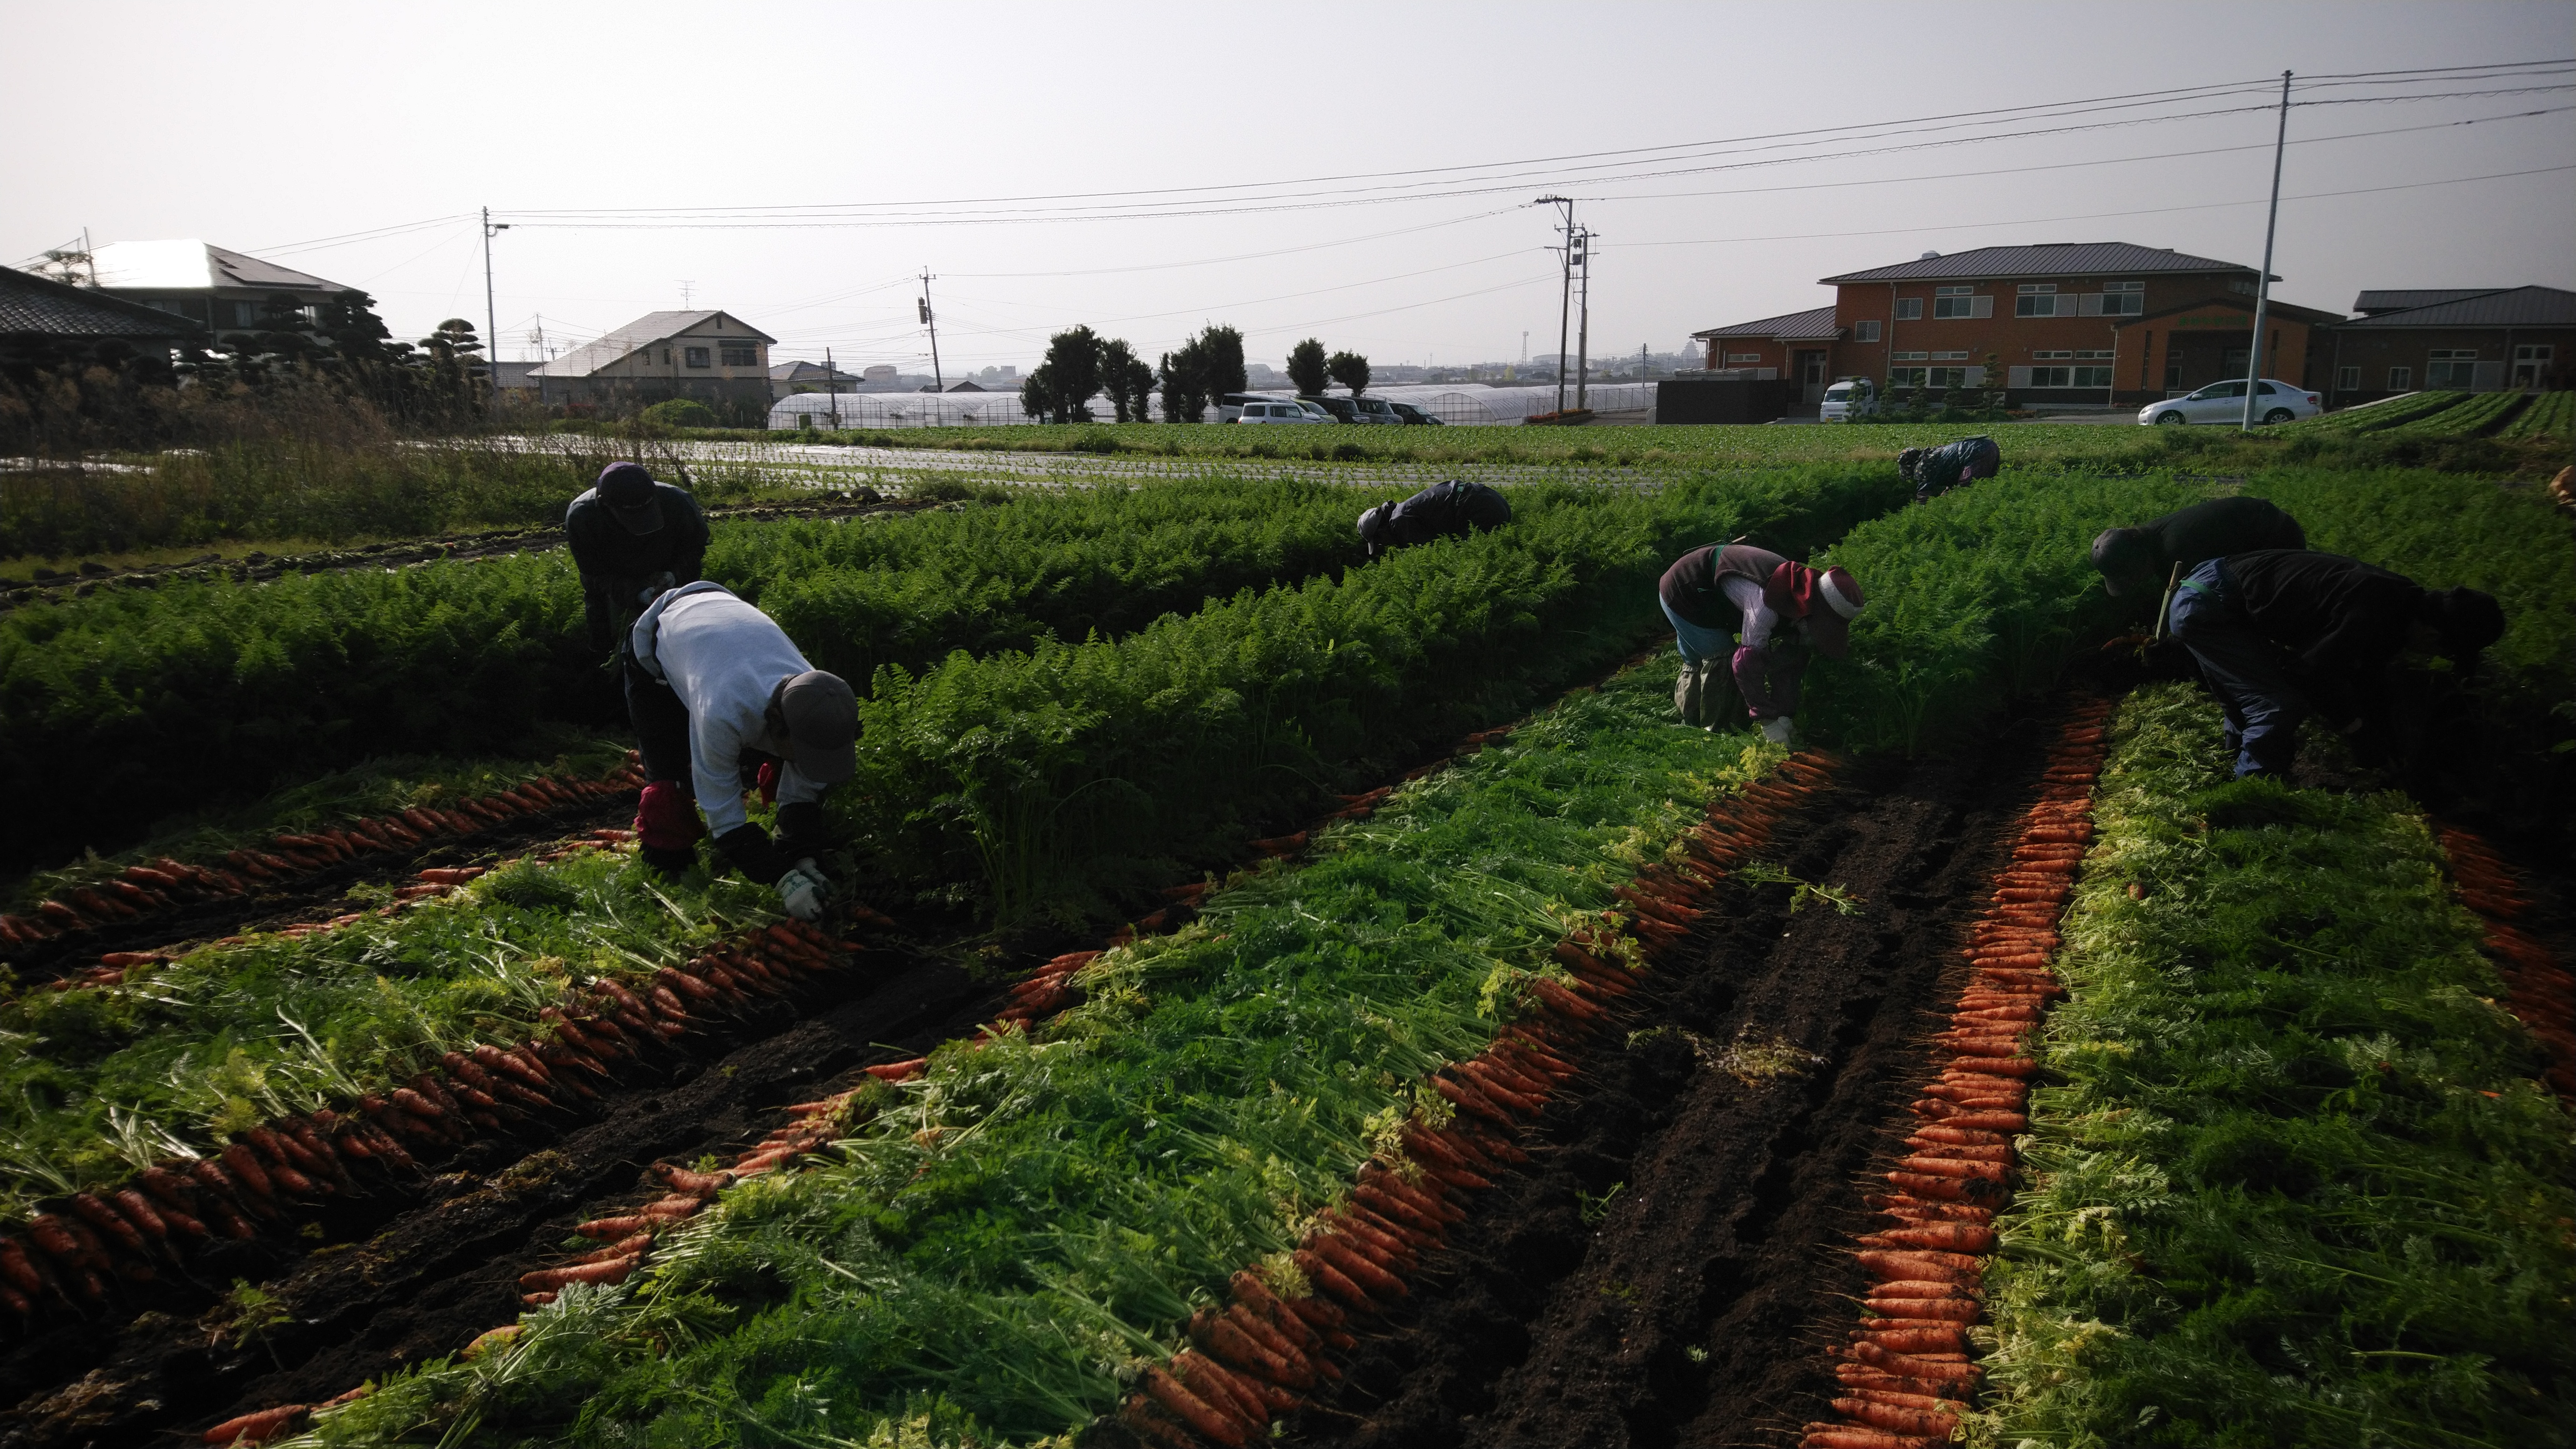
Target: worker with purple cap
[1746, 617]
[714, 685]
[631, 538]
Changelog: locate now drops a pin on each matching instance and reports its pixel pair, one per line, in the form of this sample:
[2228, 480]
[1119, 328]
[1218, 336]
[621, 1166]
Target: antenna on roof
[687, 290]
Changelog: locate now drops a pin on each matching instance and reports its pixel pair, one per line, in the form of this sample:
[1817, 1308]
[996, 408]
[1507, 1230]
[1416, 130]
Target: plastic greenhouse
[1457, 404]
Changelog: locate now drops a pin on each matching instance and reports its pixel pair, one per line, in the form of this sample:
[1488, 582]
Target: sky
[1362, 174]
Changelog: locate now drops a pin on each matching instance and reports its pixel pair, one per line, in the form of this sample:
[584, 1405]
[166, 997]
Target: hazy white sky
[258, 126]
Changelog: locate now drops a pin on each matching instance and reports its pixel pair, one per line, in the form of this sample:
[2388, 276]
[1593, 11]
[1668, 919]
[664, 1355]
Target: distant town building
[2069, 323]
[221, 290]
[787, 379]
[710, 356]
[2481, 339]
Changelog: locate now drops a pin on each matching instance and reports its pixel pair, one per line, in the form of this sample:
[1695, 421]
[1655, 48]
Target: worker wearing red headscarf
[1747, 616]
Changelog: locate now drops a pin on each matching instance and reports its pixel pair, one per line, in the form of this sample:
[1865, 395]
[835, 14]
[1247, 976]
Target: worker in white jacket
[723, 687]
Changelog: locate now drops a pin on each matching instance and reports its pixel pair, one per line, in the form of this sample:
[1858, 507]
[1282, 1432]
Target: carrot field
[1280, 995]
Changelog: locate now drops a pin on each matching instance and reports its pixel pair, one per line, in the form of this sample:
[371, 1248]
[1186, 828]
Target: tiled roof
[2398, 299]
[31, 304]
[2518, 307]
[644, 331]
[1813, 324]
[2052, 259]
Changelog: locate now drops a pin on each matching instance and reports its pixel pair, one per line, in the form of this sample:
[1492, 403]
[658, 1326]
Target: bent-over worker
[2139, 560]
[721, 682]
[2282, 633]
[631, 538]
[1748, 615]
[1444, 510]
[1935, 471]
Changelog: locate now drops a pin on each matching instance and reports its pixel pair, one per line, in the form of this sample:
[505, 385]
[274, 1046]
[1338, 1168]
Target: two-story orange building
[2076, 322]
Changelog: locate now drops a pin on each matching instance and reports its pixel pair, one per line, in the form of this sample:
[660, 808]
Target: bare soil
[1666, 1270]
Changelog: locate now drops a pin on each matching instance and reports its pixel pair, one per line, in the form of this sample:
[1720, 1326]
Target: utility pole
[832, 382]
[939, 380]
[491, 316]
[1565, 293]
[2263, 278]
[1583, 334]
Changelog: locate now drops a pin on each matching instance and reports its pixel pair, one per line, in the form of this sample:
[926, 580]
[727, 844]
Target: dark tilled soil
[417, 1270]
[315, 897]
[1667, 1268]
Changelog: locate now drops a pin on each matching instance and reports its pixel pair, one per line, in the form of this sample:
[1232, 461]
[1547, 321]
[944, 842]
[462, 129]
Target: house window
[1961, 302]
[2068, 377]
[1909, 309]
[1866, 331]
[2116, 299]
[2040, 299]
[2400, 378]
[739, 354]
[1959, 356]
[2242, 285]
[2046, 356]
[1735, 357]
[245, 314]
[1930, 376]
[2347, 379]
[2096, 354]
[1914, 357]
[2173, 376]
[2531, 364]
[695, 356]
[2451, 367]
[1950, 376]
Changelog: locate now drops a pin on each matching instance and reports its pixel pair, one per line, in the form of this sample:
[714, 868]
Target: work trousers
[661, 724]
[2249, 672]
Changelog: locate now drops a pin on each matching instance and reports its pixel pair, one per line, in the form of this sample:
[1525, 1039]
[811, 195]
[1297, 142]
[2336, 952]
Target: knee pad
[666, 819]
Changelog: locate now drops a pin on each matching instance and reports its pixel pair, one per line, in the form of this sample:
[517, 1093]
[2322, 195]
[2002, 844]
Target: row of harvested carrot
[2540, 992]
[1906, 1374]
[116, 968]
[1268, 1350]
[165, 882]
[72, 1255]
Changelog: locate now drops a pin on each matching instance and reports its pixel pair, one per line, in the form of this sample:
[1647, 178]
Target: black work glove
[753, 853]
[801, 831]
[669, 860]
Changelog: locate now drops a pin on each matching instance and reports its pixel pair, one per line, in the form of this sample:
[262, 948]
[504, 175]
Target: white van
[1853, 397]
[1271, 411]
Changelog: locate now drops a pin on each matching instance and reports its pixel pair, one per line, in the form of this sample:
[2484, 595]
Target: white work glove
[802, 888]
[655, 587]
[1776, 729]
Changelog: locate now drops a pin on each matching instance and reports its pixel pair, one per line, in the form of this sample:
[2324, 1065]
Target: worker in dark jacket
[1935, 471]
[1746, 616]
[2140, 560]
[715, 684]
[2282, 633]
[631, 538]
[1443, 510]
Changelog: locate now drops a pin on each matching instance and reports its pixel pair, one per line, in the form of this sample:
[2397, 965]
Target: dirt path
[1663, 1271]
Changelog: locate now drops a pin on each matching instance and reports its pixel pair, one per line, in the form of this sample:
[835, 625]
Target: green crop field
[1273, 989]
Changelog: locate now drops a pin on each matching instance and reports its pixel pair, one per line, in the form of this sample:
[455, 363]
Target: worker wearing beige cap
[723, 685]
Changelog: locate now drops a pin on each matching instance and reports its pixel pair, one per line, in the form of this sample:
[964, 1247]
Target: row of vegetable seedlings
[1016, 1240]
[2286, 1173]
[811, 1126]
[201, 687]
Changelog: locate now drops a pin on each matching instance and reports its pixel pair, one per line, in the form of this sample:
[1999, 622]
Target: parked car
[1270, 410]
[2224, 402]
[1853, 397]
[1414, 416]
[1342, 408]
[1377, 410]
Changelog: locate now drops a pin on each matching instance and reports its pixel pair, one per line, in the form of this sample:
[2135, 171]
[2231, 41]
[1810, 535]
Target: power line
[2091, 215]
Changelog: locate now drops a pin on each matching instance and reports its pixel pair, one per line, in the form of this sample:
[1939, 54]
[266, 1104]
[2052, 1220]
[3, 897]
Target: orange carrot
[1194, 1411]
[255, 1428]
[613, 1270]
[1835, 1436]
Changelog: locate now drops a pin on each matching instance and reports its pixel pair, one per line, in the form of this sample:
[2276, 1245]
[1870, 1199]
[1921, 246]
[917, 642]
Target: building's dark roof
[1812, 324]
[2398, 299]
[2238, 302]
[808, 372]
[2049, 259]
[964, 387]
[2517, 307]
[38, 305]
[189, 265]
